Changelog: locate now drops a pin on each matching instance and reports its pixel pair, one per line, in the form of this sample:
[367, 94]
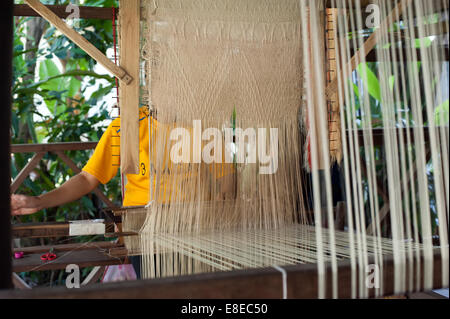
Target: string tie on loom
[283, 278]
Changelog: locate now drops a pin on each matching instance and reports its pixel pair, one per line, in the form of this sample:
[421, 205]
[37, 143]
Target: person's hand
[24, 205]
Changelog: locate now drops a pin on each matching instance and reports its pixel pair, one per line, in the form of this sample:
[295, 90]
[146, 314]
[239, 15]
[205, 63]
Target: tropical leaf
[423, 43]
[73, 73]
[47, 73]
[370, 81]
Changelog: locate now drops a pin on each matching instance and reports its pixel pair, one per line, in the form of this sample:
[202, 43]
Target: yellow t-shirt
[105, 162]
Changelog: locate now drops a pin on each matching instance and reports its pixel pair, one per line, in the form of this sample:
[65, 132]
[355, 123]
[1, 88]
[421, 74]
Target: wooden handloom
[236, 284]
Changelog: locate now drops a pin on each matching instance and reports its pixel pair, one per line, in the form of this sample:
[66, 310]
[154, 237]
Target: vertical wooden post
[320, 111]
[334, 121]
[6, 40]
[129, 20]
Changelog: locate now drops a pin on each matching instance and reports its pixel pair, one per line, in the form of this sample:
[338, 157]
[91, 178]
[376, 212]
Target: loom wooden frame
[256, 283]
[242, 284]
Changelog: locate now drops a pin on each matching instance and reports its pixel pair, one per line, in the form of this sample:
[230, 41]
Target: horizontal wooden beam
[433, 29]
[68, 247]
[24, 10]
[378, 134]
[59, 149]
[264, 283]
[82, 258]
[378, 55]
[38, 230]
[57, 229]
[106, 13]
[51, 147]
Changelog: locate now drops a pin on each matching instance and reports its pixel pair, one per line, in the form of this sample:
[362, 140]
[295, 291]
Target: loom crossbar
[81, 257]
[254, 283]
[57, 229]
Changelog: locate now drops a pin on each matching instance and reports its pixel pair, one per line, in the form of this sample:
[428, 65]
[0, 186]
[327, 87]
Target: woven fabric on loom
[212, 59]
[229, 64]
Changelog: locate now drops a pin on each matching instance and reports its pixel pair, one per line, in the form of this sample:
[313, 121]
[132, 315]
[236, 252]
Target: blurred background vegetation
[60, 94]
[367, 83]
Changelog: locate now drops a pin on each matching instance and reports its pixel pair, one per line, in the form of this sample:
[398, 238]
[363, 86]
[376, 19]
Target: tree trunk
[35, 30]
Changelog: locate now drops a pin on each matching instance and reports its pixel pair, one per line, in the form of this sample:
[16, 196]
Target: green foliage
[441, 114]
[56, 76]
[367, 83]
[370, 81]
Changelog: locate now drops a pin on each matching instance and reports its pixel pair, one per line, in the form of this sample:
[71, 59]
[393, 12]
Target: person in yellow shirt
[101, 168]
[105, 162]
[104, 165]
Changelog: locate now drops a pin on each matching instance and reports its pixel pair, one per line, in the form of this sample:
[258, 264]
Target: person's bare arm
[73, 189]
